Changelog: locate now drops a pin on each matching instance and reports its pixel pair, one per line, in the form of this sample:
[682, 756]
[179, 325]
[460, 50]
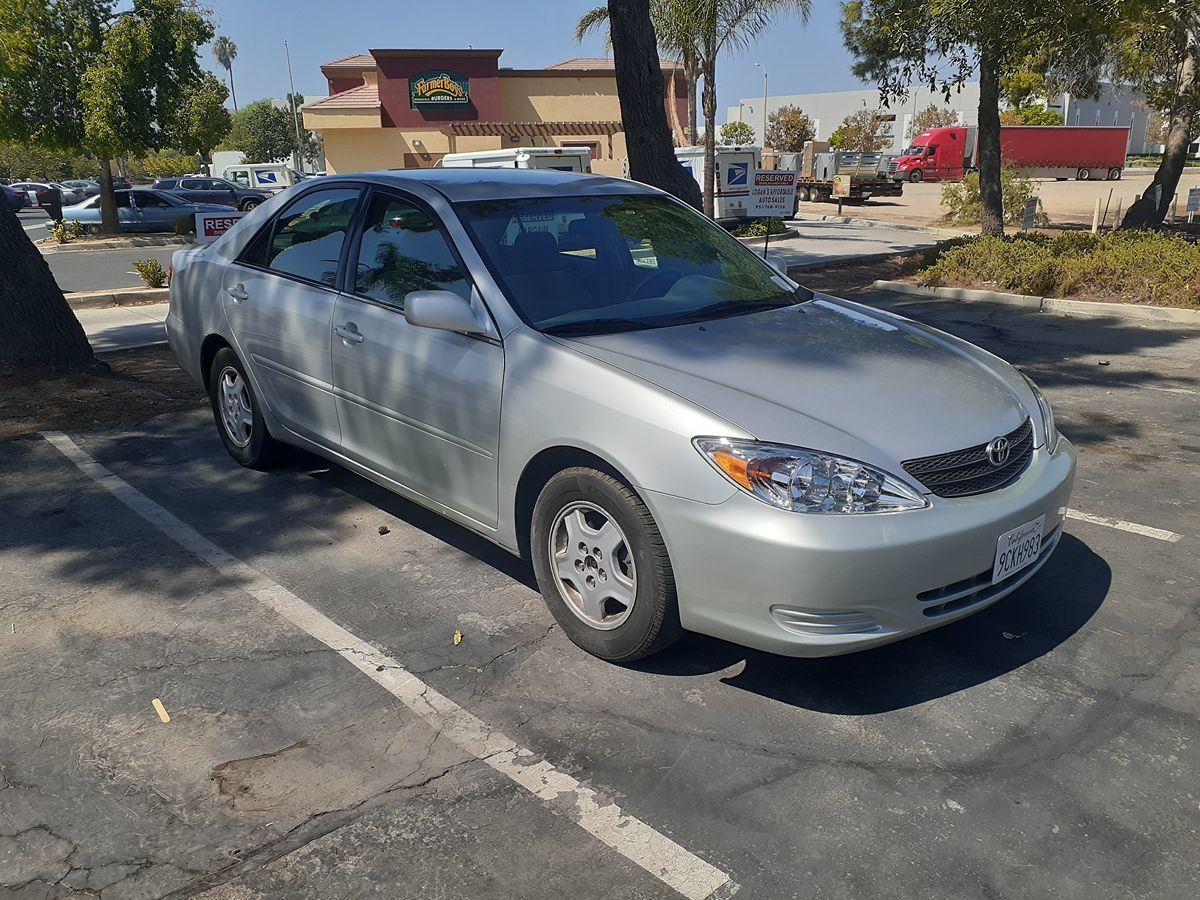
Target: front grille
[893, 167]
[967, 472]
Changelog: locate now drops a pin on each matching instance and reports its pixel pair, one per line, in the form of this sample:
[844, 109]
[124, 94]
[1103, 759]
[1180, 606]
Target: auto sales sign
[211, 225]
[772, 194]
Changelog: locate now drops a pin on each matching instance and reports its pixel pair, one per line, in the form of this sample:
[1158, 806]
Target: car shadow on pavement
[1028, 624]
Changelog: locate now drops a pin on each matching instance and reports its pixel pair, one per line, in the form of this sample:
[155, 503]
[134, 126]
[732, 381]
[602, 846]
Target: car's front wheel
[236, 411]
[602, 566]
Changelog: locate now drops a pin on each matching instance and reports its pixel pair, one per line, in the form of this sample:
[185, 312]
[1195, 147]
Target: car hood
[830, 375]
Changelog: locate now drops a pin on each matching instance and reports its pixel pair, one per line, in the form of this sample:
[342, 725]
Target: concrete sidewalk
[124, 327]
[835, 242]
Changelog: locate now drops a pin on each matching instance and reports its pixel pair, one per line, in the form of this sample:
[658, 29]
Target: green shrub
[65, 232]
[964, 207]
[152, 272]
[1126, 266]
[759, 227]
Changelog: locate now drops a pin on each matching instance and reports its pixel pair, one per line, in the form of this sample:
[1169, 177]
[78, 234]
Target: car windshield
[589, 265]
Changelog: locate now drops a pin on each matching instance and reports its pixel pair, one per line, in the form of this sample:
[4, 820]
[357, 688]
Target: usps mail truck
[564, 159]
[269, 177]
[735, 172]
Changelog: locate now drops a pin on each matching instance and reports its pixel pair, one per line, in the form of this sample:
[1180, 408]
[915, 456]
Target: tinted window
[122, 199]
[216, 184]
[193, 184]
[309, 234]
[151, 200]
[167, 185]
[401, 251]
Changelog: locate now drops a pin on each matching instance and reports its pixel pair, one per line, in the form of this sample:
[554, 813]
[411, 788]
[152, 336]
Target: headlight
[1048, 426]
[805, 480]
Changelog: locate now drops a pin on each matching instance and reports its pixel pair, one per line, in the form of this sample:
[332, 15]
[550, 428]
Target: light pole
[762, 138]
[295, 111]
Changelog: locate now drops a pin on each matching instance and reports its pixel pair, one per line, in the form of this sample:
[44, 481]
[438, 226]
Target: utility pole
[762, 138]
[295, 109]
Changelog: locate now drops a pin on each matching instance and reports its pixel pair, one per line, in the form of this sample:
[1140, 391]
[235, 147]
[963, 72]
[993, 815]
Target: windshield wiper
[725, 308]
[596, 326]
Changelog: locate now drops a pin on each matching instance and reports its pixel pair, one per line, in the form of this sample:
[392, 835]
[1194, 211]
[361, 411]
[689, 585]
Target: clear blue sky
[532, 35]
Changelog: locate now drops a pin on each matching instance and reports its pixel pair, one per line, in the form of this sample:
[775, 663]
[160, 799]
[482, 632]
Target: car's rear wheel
[1083, 175]
[248, 205]
[238, 416]
[602, 566]
[93, 230]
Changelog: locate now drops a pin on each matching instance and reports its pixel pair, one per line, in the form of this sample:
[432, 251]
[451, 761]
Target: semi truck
[1082, 152]
[862, 175]
[563, 159]
[735, 172]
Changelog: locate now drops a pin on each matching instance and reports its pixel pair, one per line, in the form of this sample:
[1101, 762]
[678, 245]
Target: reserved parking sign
[210, 226]
[772, 194]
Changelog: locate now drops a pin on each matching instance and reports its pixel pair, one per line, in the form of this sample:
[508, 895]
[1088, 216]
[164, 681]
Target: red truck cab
[936, 154]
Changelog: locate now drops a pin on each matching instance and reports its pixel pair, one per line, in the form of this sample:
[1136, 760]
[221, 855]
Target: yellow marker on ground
[457, 636]
[160, 709]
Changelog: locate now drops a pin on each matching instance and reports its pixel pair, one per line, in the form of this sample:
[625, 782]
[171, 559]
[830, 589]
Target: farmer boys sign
[439, 87]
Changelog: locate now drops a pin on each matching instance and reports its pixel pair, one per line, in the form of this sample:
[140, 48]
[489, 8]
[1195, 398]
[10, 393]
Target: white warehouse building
[1116, 105]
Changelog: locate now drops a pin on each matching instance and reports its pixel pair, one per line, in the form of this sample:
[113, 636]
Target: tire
[1114, 174]
[248, 205]
[93, 230]
[802, 195]
[629, 609]
[916, 176]
[227, 383]
[1083, 175]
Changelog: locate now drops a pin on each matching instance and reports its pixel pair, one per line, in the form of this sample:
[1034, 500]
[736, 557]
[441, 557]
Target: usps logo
[268, 177]
[738, 174]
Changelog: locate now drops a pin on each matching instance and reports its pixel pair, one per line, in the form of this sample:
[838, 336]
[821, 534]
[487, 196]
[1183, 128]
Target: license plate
[1018, 549]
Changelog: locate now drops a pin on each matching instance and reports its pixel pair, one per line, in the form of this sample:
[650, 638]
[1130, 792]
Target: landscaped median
[1143, 274]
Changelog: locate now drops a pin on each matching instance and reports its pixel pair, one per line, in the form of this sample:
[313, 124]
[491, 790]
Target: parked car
[39, 192]
[587, 372]
[138, 210]
[70, 196]
[203, 189]
[17, 200]
[87, 187]
[121, 183]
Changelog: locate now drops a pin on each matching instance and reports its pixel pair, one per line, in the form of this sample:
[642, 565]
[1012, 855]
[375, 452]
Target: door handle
[349, 333]
[237, 292]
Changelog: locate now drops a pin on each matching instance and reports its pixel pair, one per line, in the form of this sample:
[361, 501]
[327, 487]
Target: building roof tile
[365, 96]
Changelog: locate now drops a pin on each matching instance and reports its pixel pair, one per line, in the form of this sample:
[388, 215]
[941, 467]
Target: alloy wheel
[593, 565]
[237, 415]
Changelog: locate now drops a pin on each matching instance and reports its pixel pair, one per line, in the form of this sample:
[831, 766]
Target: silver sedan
[592, 375]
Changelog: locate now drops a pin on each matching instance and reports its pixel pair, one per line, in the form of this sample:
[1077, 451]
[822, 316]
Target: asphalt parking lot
[328, 737]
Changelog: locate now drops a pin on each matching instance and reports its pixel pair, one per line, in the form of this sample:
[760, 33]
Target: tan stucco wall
[372, 149]
[319, 119]
[557, 99]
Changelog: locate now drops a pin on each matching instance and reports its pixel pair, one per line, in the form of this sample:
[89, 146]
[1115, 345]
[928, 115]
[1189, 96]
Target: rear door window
[308, 236]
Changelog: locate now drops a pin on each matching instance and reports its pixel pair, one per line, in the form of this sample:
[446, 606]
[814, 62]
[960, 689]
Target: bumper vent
[967, 472]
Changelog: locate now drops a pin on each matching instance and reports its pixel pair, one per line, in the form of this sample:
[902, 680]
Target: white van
[269, 177]
[564, 159]
[735, 170]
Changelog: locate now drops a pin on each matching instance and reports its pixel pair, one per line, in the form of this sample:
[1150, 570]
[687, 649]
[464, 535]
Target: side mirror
[776, 262]
[443, 310]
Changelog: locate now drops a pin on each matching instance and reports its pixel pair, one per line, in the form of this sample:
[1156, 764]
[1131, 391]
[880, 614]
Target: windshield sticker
[855, 315]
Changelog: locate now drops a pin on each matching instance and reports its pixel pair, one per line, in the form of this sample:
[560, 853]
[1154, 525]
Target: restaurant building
[404, 109]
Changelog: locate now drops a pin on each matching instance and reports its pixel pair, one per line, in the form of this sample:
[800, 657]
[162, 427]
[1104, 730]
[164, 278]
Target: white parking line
[666, 860]
[1145, 530]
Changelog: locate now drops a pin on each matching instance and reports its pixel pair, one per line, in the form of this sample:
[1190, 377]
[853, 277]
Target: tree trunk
[991, 198]
[643, 112]
[691, 77]
[108, 200]
[232, 89]
[37, 327]
[1151, 208]
[709, 102]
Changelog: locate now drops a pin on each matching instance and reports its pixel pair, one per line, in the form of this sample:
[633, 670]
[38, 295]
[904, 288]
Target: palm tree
[671, 20]
[728, 25]
[225, 52]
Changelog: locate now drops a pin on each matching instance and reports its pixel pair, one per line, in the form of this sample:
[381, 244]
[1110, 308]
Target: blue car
[16, 200]
[138, 210]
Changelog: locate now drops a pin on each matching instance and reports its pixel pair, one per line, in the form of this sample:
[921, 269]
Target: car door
[192, 190]
[221, 192]
[156, 212]
[418, 405]
[279, 296]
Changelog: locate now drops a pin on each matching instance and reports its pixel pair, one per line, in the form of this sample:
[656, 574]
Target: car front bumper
[821, 585]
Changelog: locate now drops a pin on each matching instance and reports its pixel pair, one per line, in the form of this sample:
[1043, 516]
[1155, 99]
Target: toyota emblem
[997, 451]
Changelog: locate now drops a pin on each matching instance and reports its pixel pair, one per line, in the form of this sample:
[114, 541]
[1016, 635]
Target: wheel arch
[209, 348]
[537, 473]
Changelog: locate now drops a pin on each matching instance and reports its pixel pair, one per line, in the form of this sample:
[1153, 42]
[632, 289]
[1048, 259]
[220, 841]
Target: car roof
[461, 185]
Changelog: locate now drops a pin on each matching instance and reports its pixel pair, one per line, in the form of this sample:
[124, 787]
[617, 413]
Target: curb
[119, 244]
[882, 223]
[1084, 308]
[845, 262]
[751, 241]
[119, 297]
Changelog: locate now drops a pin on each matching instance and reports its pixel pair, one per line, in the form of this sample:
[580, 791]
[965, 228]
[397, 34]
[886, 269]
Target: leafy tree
[1030, 115]
[1158, 51]
[932, 116]
[640, 91]
[672, 21]
[203, 119]
[788, 129]
[32, 162]
[263, 132]
[865, 131]
[737, 133]
[1158, 127]
[942, 43]
[225, 52]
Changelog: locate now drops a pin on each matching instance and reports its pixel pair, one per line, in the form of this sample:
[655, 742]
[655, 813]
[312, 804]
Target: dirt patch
[847, 279]
[139, 384]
